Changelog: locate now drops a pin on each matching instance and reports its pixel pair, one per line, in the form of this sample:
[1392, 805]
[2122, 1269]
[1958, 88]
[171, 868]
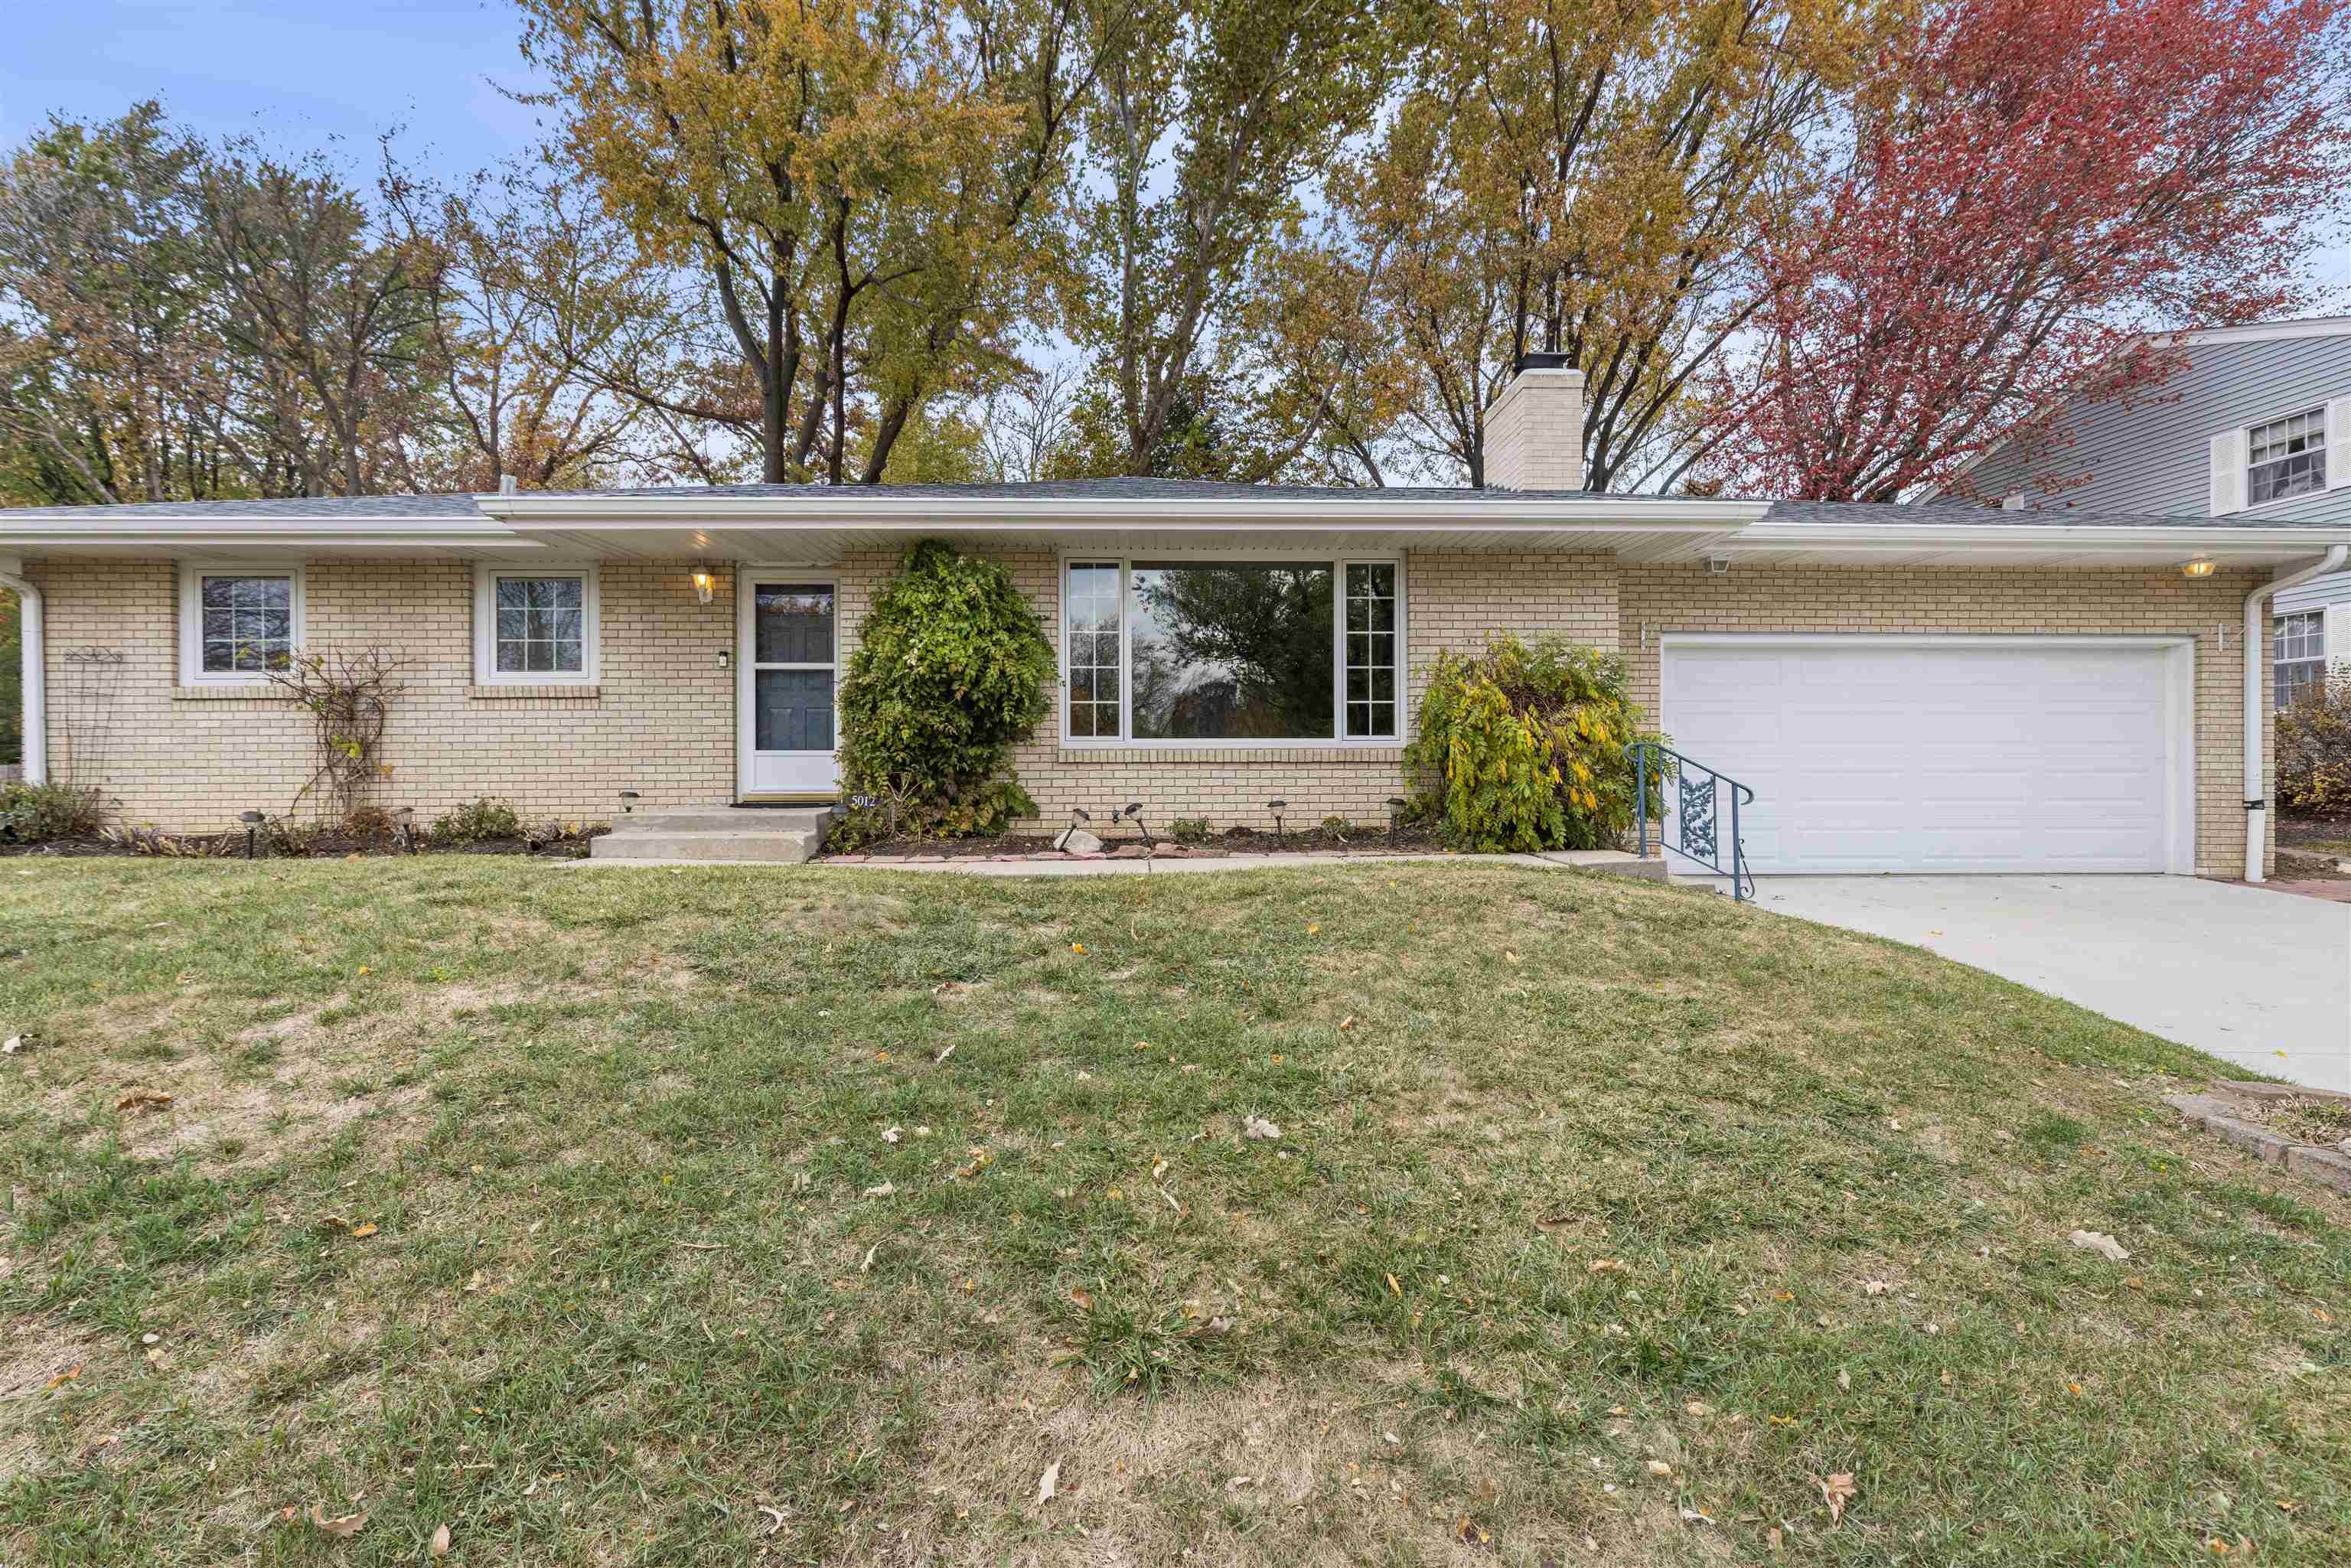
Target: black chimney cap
[1545, 362]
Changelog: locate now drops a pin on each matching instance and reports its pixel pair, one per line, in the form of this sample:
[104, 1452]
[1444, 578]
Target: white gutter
[35, 692]
[2257, 637]
[1471, 510]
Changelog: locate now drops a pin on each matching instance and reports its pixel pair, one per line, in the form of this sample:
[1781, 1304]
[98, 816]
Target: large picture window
[1171, 651]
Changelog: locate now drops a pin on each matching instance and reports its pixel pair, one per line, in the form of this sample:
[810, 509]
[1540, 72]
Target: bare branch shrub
[348, 697]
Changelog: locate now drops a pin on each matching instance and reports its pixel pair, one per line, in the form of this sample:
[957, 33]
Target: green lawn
[559, 1207]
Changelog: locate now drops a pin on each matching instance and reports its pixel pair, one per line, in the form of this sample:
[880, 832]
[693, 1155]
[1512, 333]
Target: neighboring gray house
[2257, 426]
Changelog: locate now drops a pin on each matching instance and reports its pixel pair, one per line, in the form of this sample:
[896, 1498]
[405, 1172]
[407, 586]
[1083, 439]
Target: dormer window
[2286, 458]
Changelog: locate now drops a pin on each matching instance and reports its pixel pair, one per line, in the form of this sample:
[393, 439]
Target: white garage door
[1942, 754]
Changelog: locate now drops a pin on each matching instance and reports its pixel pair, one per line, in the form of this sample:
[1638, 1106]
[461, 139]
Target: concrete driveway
[2257, 977]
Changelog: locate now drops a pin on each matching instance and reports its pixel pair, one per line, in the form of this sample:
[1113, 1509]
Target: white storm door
[788, 634]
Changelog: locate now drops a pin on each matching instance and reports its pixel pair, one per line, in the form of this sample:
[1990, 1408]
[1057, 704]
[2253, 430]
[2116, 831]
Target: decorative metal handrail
[1698, 817]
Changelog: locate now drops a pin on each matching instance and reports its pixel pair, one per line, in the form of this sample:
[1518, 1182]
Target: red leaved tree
[2027, 185]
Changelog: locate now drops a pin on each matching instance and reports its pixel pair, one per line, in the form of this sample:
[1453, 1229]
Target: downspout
[2257, 637]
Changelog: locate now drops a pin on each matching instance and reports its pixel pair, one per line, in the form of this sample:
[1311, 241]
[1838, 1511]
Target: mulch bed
[1312, 841]
[329, 845]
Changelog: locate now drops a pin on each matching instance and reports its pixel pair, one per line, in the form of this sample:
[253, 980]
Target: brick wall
[1667, 599]
[660, 722]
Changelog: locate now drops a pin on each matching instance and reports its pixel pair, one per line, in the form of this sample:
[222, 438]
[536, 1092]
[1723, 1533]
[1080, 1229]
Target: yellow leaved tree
[866, 191]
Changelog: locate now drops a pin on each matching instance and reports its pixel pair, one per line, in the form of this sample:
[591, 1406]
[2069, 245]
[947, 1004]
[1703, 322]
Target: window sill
[1120, 754]
[576, 692]
[230, 692]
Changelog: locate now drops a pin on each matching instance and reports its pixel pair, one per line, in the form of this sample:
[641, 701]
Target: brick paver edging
[2209, 1113]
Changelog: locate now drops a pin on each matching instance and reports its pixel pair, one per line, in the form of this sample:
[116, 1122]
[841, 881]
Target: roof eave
[1480, 510]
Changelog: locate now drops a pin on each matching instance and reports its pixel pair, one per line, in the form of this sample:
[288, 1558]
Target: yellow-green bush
[1522, 747]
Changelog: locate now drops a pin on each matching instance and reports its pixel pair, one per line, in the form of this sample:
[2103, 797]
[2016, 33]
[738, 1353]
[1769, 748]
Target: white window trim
[2334, 458]
[485, 625]
[2323, 665]
[192, 617]
[1125, 740]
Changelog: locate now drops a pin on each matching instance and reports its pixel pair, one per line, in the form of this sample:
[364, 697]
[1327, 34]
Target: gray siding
[2316, 594]
[2155, 454]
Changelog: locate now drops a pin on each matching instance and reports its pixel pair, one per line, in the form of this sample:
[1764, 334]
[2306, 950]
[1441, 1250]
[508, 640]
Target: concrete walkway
[1581, 860]
[2258, 978]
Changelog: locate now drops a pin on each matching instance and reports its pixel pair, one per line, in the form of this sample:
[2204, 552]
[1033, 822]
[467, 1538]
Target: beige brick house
[1904, 688]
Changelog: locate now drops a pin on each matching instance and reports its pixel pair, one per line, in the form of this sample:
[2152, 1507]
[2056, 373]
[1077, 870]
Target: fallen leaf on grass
[1046, 1483]
[1604, 1266]
[1085, 1300]
[1837, 1491]
[474, 1283]
[884, 1190]
[1259, 1127]
[1659, 1467]
[367, 1229]
[345, 1527]
[1873, 1287]
[69, 1375]
[2098, 1241]
[16, 1042]
[439, 1545]
[144, 1100]
[1347, 1022]
[891, 1136]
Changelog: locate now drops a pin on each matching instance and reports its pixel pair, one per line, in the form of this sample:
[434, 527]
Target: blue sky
[297, 72]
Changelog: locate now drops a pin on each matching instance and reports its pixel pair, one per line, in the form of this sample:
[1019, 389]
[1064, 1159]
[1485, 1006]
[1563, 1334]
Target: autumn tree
[865, 187]
[105, 388]
[1581, 177]
[2029, 183]
[1210, 129]
[320, 321]
[537, 309]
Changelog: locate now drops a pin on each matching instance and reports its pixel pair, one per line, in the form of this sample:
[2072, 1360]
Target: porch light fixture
[703, 583]
[2200, 567]
[628, 801]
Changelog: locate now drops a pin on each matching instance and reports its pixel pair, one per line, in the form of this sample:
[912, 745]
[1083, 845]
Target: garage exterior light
[2199, 567]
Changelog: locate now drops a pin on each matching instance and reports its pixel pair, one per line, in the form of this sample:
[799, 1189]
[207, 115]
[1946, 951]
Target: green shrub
[1189, 830]
[1523, 749]
[951, 670]
[2313, 752]
[43, 813]
[488, 818]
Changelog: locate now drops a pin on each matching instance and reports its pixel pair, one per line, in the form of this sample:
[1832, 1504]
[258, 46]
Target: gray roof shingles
[425, 508]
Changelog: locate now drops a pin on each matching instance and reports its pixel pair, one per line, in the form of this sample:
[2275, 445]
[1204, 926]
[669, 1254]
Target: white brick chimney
[1534, 432]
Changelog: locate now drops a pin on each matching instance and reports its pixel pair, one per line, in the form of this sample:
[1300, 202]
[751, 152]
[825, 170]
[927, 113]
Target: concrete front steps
[774, 835]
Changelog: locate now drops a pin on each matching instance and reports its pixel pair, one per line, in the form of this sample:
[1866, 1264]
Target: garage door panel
[1874, 757]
